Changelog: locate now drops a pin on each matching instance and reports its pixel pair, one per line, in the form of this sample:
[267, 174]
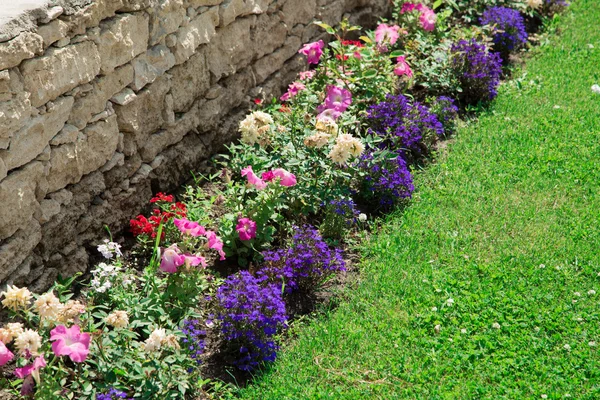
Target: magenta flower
[386, 33]
[70, 342]
[306, 75]
[32, 369]
[402, 67]
[189, 227]
[5, 354]
[285, 178]
[252, 178]
[313, 51]
[193, 261]
[293, 90]
[246, 228]
[171, 259]
[338, 99]
[408, 7]
[427, 19]
[268, 176]
[215, 243]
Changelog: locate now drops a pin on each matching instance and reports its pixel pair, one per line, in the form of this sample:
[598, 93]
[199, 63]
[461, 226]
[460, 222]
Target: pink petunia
[193, 260]
[408, 7]
[338, 99]
[306, 75]
[385, 33]
[33, 368]
[402, 67]
[313, 51]
[268, 176]
[5, 354]
[171, 259]
[293, 90]
[246, 228]
[285, 178]
[189, 227]
[70, 342]
[215, 243]
[427, 19]
[252, 178]
[327, 113]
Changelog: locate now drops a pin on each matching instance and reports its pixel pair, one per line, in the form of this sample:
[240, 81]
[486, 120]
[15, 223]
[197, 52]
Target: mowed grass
[506, 224]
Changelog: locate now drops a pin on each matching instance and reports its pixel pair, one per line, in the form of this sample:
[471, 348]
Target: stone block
[232, 9]
[30, 141]
[299, 12]
[165, 18]
[232, 49]
[16, 249]
[59, 71]
[199, 31]
[53, 32]
[121, 39]
[150, 65]
[190, 80]
[26, 45]
[271, 63]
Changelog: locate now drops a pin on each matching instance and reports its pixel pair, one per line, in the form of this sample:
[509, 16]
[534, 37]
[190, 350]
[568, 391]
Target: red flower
[258, 101]
[162, 197]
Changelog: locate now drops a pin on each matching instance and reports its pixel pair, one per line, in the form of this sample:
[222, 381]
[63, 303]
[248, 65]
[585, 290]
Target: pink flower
[285, 178]
[189, 227]
[338, 99]
[171, 259]
[192, 260]
[268, 176]
[293, 90]
[387, 33]
[408, 7]
[428, 19]
[252, 178]
[313, 51]
[306, 75]
[70, 342]
[215, 243]
[5, 354]
[326, 113]
[30, 369]
[246, 228]
[402, 68]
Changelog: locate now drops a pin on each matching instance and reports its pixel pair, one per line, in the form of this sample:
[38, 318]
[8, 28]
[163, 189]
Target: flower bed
[336, 150]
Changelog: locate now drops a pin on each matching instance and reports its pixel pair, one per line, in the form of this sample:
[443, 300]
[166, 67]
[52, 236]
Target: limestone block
[165, 18]
[231, 9]
[51, 14]
[299, 12]
[18, 198]
[120, 173]
[150, 65]
[163, 139]
[3, 170]
[24, 46]
[124, 97]
[199, 31]
[232, 49]
[48, 209]
[80, 19]
[14, 114]
[190, 80]
[53, 32]
[30, 141]
[143, 116]
[59, 71]
[270, 32]
[268, 65]
[121, 39]
[202, 3]
[17, 248]
[93, 148]
[94, 101]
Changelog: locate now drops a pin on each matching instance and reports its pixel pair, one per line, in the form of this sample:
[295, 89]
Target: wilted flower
[28, 341]
[31, 369]
[313, 51]
[16, 298]
[70, 342]
[327, 125]
[172, 342]
[118, 319]
[48, 306]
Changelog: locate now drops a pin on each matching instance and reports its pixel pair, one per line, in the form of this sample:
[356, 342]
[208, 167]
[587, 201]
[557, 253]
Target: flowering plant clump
[112, 394]
[404, 124]
[193, 342]
[446, 111]
[166, 210]
[251, 312]
[306, 264]
[477, 70]
[341, 215]
[509, 29]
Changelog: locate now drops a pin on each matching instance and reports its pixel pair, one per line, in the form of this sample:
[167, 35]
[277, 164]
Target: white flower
[542, 266]
[317, 140]
[450, 302]
[591, 292]
[544, 396]
[592, 343]
[596, 89]
[577, 294]
[567, 347]
[437, 328]
[534, 3]
[108, 249]
[15, 328]
[434, 309]
[71, 311]
[48, 306]
[463, 330]
[362, 217]
[155, 340]
[28, 340]
[16, 298]
[496, 325]
[346, 146]
[118, 319]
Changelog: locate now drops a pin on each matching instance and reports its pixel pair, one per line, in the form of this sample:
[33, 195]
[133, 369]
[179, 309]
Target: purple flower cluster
[305, 264]
[477, 70]
[112, 394]
[251, 312]
[509, 29]
[446, 112]
[388, 178]
[402, 123]
[193, 342]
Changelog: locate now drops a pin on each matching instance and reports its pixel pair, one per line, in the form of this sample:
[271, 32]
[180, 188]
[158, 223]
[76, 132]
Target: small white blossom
[450, 302]
[434, 309]
[542, 266]
[567, 347]
[109, 249]
[437, 328]
[537, 329]
[362, 217]
[577, 294]
[463, 330]
[591, 292]
[544, 396]
[596, 89]
[496, 325]
[592, 343]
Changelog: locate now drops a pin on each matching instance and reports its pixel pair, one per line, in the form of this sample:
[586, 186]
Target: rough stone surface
[104, 102]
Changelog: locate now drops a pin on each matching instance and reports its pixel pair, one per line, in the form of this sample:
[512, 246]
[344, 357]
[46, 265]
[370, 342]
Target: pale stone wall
[103, 102]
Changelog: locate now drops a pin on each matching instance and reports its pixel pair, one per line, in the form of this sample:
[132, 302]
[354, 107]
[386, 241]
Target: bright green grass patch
[507, 225]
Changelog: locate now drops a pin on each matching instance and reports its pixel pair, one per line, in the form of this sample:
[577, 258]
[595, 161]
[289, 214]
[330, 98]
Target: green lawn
[507, 226]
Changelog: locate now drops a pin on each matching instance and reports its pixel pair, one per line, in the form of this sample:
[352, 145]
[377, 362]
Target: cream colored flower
[16, 298]
[48, 306]
[317, 140]
[15, 328]
[155, 341]
[70, 311]
[118, 319]
[339, 155]
[534, 3]
[5, 336]
[261, 118]
[327, 125]
[346, 146]
[254, 127]
[30, 341]
[172, 342]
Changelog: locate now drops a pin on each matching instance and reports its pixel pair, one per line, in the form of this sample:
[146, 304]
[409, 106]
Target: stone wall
[104, 102]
